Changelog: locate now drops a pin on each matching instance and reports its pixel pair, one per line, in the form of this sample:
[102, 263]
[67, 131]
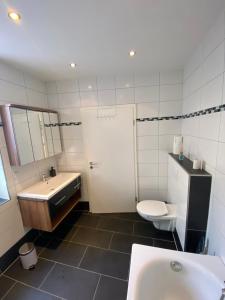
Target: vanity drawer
[62, 197]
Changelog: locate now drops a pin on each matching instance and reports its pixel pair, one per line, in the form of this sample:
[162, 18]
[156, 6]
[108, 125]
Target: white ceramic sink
[44, 190]
[152, 278]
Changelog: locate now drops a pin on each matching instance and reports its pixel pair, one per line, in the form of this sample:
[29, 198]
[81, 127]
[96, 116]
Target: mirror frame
[9, 129]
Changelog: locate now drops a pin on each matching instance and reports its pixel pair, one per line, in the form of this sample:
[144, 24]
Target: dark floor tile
[123, 242]
[71, 283]
[111, 289]
[131, 216]
[32, 277]
[88, 220]
[164, 244]
[93, 237]
[22, 292]
[64, 252]
[64, 231]
[108, 215]
[5, 285]
[106, 262]
[116, 224]
[148, 230]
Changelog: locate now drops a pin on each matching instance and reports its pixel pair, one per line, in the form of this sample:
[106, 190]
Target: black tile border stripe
[63, 124]
[202, 112]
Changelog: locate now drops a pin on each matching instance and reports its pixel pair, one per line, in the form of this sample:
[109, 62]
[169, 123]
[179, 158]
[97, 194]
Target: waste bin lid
[26, 248]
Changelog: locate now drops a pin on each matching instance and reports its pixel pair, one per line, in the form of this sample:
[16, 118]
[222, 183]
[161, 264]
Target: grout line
[95, 293]
[110, 242]
[9, 290]
[47, 275]
[80, 268]
[82, 257]
[73, 235]
[33, 287]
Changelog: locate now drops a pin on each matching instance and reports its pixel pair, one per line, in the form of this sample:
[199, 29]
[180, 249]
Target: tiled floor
[86, 258]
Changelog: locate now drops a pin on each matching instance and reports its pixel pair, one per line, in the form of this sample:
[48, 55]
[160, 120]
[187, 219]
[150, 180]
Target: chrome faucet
[223, 295]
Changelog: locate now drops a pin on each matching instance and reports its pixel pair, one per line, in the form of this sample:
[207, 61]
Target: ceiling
[98, 34]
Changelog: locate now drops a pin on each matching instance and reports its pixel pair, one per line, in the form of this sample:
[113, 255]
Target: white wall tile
[215, 36]
[212, 93]
[147, 110]
[146, 94]
[88, 84]
[66, 100]
[209, 126]
[124, 81]
[34, 83]
[174, 77]
[148, 142]
[171, 92]
[148, 156]
[11, 93]
[53, 101]
[11, 74]
[106, 82]
[107, 97]
[147, 80]
[148, 183]
[67, 86]
[147, 170]
[89, 98]
[214, 64]
[169, 127]
[170, 108]
[125, 96]
[147, 128]
[51, 87]
[221, 158]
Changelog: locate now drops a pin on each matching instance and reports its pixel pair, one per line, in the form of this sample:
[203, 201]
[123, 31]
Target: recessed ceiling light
[132, 53]
[90, 87]
[14, 16]
[73, 65]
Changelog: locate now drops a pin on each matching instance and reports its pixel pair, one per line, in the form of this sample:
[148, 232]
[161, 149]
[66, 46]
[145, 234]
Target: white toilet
[161, 214]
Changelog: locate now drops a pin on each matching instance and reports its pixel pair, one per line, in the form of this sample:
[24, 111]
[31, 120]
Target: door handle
[92, 164]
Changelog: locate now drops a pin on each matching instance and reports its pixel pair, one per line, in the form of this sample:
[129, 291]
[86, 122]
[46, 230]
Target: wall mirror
[31, 133]
[4, 193]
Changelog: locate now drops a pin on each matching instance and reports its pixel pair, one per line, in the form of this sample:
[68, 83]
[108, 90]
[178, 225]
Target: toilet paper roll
[177, 144]
[196, 164]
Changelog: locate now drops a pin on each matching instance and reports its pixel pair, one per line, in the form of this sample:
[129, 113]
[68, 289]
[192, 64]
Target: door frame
[133, 106]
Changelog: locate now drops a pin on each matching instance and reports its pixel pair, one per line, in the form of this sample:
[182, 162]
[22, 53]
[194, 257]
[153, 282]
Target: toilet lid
[152, 208]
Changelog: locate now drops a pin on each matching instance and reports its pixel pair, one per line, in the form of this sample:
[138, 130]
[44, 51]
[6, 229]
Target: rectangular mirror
[35, 120]
[48, 134]
[22, 135]
[54, 120]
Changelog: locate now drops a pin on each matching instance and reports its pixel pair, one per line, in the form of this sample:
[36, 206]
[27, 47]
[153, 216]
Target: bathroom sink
[160, 274]
[44, 190]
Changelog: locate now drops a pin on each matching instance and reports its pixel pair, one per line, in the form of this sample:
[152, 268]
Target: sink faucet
[44, 178]
[223, 295]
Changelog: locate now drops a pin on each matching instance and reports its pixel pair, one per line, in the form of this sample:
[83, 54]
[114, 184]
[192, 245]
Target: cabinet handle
[60, 200]
[76, 186]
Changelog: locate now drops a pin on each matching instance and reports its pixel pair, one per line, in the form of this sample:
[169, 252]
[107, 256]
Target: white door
[110, 143]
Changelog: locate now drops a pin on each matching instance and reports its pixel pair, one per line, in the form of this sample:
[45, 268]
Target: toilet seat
[152, 208]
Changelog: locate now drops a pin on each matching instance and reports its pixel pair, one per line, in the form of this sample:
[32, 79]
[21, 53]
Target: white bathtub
[152, 278]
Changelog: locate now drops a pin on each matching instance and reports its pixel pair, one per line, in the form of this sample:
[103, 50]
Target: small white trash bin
[28, 256]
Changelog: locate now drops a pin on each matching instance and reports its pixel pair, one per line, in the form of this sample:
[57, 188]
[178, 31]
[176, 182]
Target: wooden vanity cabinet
[46, 215]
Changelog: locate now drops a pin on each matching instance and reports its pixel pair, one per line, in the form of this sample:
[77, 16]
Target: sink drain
[176, 266]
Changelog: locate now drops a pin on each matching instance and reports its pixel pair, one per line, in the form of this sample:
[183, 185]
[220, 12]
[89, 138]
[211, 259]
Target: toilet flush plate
[152, 208]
